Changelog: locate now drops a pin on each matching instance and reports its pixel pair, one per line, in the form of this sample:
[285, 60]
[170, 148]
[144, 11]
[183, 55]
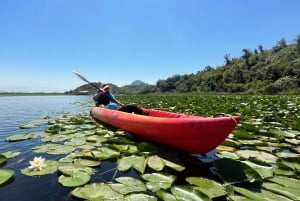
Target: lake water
[18, 110]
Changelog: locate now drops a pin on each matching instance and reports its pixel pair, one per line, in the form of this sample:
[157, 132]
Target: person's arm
[114, 100]
[97, 95]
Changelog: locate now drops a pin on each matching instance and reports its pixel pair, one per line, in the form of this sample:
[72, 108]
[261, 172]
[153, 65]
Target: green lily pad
[3, 159]
[173, 165]
[120, 147]
[78, 178]
[155, 163]
[10, 154]
[156, 181]
[263, 170]
[85, 162]
[69, 168]
[292, 193]
[259, 194]
[5, 175]
[241, 173]
[296, 124]
[188, 193]
[128, 185]
[293, 141]
[93, 138]
[139, 197]
[19, 137]
[53, 148]
[226, 154]
[280, 134]
[250, 127]
[97, 191]
[286, 181]
[165, 195]
[76, 141]
[105, 153]
[136, 162]
[287, 155]
[242, 134]
[30, 125]
[209, 187]
[51, 167]
[258, 155]
[231, 143]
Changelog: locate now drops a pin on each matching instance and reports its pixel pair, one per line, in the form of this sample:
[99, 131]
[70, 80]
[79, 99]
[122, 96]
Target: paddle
[84, 79]
[126, 108]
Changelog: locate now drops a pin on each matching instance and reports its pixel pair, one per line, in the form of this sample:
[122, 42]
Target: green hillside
[258, 71]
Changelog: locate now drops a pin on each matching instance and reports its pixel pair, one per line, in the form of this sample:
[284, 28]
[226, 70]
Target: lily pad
[263, 170]
[280, 134]
[128, 185]
[105, 153]
[76, 141]
[68, 169]
[258, 155]
[5, 175]
[139, 197]
[241, 173]
[155, 163]
[188, 193]
[286, 181]
[19, 137]
[175, 166]
[3, 159]
[10, 154]
[165, 195]
[53, 148]
[85, 162]
[292, 193]
[29, 125]
[259, 194]
[133, 161]
[78, 178]
[156, 181]
[97, 191]
[51, 167]
[209, 187]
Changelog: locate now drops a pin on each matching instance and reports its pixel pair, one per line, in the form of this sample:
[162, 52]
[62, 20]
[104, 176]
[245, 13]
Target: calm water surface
[17, 110]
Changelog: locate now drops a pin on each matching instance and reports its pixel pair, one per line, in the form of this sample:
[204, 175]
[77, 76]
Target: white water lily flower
[37, 164]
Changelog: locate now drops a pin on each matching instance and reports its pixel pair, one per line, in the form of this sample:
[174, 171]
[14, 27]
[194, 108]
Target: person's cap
[105, 86]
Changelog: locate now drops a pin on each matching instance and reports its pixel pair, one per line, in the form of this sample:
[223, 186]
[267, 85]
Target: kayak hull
[193, 134]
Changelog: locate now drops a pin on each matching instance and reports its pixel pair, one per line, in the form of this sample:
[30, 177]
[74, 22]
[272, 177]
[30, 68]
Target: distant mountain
[137, 83]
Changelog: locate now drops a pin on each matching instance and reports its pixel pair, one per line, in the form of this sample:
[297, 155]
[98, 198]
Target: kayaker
[105, 98]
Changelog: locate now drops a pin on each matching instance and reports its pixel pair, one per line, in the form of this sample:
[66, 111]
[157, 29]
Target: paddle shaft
[84, 79]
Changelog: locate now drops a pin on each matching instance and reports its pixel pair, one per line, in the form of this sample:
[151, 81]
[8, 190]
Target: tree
[280, 45]
[246, 56]
[298, 44]
[227, 59]
[261, 49]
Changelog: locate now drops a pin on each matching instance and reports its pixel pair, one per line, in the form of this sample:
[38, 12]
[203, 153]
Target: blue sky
[118, 41]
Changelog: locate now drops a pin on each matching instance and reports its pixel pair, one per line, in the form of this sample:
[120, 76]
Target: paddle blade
[84, 79]
[80, 76]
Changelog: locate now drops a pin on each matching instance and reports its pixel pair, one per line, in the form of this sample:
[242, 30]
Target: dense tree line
[260, 71]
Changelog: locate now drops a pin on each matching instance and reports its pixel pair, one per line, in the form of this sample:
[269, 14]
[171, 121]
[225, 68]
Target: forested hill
[258, 71]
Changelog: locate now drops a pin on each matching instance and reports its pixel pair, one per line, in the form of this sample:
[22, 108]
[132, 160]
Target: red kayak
[193, 134]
